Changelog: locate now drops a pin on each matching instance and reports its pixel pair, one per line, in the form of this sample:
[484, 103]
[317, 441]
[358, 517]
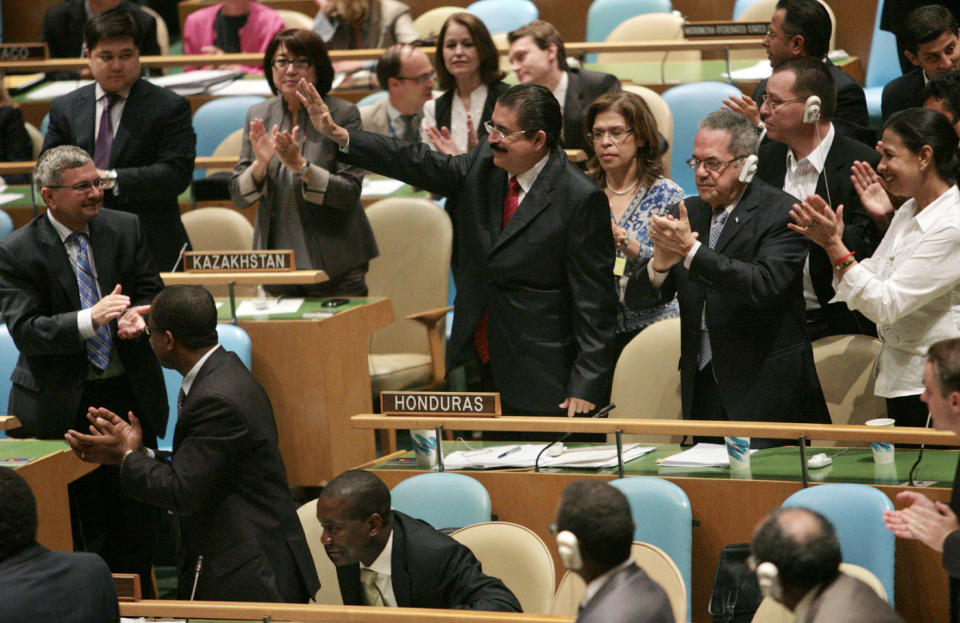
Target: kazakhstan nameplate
[238, 261]
[447, 404]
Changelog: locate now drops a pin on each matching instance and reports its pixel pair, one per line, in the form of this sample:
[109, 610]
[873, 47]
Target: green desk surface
[14, 451]
[311, 309]
[854, 465]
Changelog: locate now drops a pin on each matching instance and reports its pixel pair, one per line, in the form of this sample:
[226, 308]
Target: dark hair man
[942, 94]
[407, 76]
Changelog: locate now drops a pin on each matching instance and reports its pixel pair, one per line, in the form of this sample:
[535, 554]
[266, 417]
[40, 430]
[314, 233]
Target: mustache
[498, 148]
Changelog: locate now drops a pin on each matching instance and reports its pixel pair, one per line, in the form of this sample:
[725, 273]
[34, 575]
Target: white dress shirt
[458, 117]
[384, 573]
[561, 91]
[190, 376]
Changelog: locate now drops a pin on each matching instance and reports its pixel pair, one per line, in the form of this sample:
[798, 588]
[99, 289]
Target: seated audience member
[805, 158]
[386, 558]
[911, 285]
[468, 68]
[538, 56]
[930, 37]
[225, 479]
[230, 27]
[37, 584]
[594, 536]
[63, 30]
[15, 143]
[894, 16]
[737, 272]
[934, 523]
[802, 28]
[942, 94]
[363, 25]
[796, 556]
[407, 76]
[626, 164]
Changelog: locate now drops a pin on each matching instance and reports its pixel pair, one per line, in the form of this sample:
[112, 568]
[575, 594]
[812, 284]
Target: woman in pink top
[229, 27]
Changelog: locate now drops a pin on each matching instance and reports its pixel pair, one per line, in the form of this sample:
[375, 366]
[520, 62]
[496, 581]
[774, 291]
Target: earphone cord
[919, 456]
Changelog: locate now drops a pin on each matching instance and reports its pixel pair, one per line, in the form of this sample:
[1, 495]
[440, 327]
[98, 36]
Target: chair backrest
[231, 338]
[415, 276]
[846, 367]
[651, 559]
[504, 15]
[217, 119]
[663, 117]
[654, 27]
[218, 229]
[443, 499]
[605, 15]
[771, 611]
[856, 513]
[428, 24]
[163, 33]
[646, 381]
[329, 593]
[36, 138]
[228, 148]
[295, 19]
[883, 64]
[518, 557]
[662, 516]
[690, 103]
[8, 361]
[6, 224]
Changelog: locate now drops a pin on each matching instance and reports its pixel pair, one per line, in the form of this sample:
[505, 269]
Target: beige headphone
[768, 577]
[569, 549]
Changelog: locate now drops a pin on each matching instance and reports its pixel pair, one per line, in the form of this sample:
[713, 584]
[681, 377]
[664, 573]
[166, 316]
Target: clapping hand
[131, 324]
[672, 238]
[287, 146]
[814, 219]
[873, 193]
[924, 520]
[109, 439]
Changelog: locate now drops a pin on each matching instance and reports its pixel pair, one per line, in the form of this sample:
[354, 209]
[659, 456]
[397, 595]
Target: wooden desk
[49, 467]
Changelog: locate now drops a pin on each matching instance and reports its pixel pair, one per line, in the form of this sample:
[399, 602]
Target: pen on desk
[508, 452]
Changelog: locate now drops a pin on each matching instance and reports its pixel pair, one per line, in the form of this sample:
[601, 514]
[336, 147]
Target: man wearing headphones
[797, 557]
[737, 271]
[807, 156]
[594, 535]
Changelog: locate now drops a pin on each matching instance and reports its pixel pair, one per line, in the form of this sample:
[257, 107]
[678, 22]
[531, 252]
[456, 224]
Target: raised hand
[131, 323]
[472, 138]
[109, 307]
[261, 142]
[319, 114]
[442, 140]
[873, 193]
[744, 105]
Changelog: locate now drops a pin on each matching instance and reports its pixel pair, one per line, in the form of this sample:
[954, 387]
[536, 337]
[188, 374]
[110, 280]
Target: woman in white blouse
[468, 71]
[911, 285]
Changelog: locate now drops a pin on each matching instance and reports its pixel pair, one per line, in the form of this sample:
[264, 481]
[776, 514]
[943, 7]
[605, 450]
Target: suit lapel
[103, 241]
[52, 248]
[537, 199]
[399, 576]
[86, 119]
[742, 212]
[131, 113]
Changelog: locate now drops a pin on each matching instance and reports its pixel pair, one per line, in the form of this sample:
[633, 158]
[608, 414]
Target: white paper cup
[882, 450]
[738, 451]
[425, 447]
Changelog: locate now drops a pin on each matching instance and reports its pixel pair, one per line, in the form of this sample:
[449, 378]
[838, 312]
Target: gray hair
[53, 162]
[743, 136]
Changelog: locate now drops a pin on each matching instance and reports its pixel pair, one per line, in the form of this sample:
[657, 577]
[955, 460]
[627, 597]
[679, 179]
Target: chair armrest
[430, 319]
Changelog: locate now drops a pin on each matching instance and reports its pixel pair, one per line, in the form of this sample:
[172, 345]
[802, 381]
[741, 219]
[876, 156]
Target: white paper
[8, 197]
[248, 86]
[584, 457]
[700, 455]
[760, 71]
[56, 89]
[193, 77]
[380, 187]
[268, 306]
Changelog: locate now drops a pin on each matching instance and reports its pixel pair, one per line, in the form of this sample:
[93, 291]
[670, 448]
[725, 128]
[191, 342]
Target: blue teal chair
[8, 361]
[6, 224]
[740, 6]
[504, 15]
[373, 98]
[216, 120]
[232, 338]
[689, 103]
[605, 15]
[442, 499]
[856, 512]
[883, 65]
[662, 516]
[44, 124]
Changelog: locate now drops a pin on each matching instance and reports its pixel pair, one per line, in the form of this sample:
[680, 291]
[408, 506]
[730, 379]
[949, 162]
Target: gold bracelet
[124, 459]
[844, 264]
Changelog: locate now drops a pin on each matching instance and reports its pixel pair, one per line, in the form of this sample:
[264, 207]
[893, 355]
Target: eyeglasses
[775, 103]
[86, 187]
[300, 64]
[617, 135]
[500, 134]
[148, 331]
[711, 165]
[421, 79]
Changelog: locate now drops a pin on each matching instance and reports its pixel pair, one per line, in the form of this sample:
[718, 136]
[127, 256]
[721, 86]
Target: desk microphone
[179, 257]
[604, 412]
[919, 455]
[196, 575]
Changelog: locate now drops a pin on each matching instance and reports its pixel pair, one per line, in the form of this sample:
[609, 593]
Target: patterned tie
[98, 346]
[368, 577]
[101, 150]
[512, 201]
[408, 131]
[180, 398]
[705, 355]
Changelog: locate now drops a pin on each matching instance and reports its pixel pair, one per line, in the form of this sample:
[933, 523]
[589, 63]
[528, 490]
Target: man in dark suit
[594, 536]
[737, 271]
[538, 56]
[931, 45]
[894, 16]
[534, 294]
[74, 283]
[942, 94]
[144, 147]
[806, 157]
[386, 558]
[802, 28]
[63, 30]
[225, 478]
[37, 584]
[797, 557]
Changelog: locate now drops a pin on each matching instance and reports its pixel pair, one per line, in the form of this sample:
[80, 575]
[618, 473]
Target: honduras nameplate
[693, 30]
[447, 404]
[238, 261]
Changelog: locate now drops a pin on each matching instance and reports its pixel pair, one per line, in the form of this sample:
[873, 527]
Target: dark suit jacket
[39, 301]
[584, 87]
[429, 569]
[63, 32]
[226, 483]
[628, 596]
[544, 281]
[752, 287]
[15, 143]
[848, 600]
[444, 106]
[153, 152]
[902, 93]
[39, 585]
[851, 118]
[860, 233]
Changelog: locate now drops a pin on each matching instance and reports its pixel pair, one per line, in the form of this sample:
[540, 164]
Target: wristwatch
[303, 168]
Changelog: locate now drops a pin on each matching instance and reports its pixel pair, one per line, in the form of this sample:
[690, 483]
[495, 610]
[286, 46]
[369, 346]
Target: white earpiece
[749, 169]
[569, 549]
[811, 109]
[768, 577]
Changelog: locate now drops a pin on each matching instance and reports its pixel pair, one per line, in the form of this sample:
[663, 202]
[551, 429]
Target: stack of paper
[701, 455]
[586, 457]
[268, 306]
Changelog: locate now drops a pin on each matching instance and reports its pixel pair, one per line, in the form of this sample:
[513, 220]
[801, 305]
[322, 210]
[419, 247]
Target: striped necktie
[98, 346]
[705, 354]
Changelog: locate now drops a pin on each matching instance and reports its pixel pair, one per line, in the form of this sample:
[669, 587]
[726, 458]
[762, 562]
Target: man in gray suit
[407, 76]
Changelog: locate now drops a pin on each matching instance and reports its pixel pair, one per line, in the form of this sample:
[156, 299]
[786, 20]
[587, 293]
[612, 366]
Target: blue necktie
[98, 346]
[705, 355]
